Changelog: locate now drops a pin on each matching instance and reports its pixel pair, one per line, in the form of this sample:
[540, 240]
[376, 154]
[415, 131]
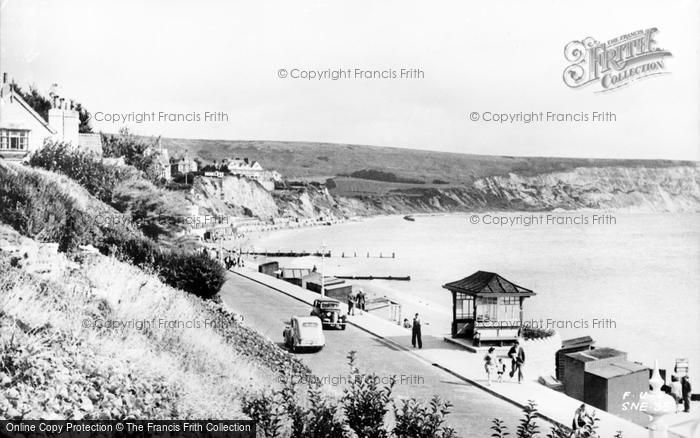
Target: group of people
[680, 390]
[356, 300]
[230, 261]
[495, 366]
[416, 335]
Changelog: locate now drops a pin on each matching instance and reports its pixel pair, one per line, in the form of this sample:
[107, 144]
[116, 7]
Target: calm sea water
[633, 284]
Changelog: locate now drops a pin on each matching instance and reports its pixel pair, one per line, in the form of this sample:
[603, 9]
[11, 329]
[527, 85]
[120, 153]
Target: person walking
[416, 338]
[676, 390]
[351, 303]
[490, 365]
[500, 369]
[686, 389]
[517, 357]
[361, 300]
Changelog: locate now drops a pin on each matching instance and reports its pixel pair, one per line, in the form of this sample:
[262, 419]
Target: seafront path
[464, 366]
[267, 311]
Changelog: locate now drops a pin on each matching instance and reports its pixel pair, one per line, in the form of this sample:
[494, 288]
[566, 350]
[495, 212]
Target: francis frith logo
[615, 63]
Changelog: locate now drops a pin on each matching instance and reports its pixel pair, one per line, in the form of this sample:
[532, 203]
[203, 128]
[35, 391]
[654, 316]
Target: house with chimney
[183, 165]
[23, 130]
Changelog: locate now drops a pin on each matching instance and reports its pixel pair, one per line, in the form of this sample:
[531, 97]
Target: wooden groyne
[288, 254]
[344, 255]
[373, 277]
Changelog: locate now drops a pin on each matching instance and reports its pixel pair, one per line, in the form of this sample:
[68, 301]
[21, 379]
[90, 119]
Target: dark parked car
[330, 312]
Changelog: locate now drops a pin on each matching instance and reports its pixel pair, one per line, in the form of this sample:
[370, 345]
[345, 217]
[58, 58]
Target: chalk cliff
[640, 189]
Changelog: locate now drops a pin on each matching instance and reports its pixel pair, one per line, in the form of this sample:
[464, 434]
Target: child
[500, 369]
[490, 364]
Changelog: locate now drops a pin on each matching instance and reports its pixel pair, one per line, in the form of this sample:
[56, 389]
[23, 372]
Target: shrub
[84, 167]
[365, 403]
[528, 428]
[37, 207]
[529, 332]
[266, 411]
[419, 421]
[193, 272]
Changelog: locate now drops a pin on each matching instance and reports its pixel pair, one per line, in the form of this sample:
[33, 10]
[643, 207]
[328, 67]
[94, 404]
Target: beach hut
[487, 307]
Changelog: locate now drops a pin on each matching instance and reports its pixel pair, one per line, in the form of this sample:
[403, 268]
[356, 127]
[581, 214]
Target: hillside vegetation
[52, 208]
[92, 337]
[321, 160]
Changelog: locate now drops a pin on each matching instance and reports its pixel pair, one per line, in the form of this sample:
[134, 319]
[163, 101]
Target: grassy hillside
[96, 338]
[321, 160]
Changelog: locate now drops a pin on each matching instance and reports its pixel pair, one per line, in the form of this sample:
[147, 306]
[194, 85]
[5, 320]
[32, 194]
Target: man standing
[517, 357]
[361, 300]
[416, 335]
[687, 389]
[351, 303]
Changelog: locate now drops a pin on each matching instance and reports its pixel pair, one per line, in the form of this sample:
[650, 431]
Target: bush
[36, 207]
[84, 167]
[364, 405]
[529, 429]
[528, 332]
[416, 420]
[193, 272]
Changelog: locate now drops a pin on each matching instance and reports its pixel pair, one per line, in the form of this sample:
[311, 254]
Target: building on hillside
[23, 130]
[182, 165]
[162, 161]
[214, 174]
[243, 167]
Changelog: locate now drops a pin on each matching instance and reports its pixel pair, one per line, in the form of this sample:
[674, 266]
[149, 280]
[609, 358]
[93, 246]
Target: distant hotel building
[252, 170]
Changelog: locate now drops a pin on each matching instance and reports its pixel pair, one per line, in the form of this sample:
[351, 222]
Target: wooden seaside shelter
[487, 307]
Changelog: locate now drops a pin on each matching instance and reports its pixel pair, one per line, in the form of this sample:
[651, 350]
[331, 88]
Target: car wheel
[342, 327]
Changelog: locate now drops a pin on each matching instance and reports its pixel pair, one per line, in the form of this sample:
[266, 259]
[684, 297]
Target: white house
[253, 170]
[23, 130]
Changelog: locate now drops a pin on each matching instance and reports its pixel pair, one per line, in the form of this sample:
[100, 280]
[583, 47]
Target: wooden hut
[487, 307]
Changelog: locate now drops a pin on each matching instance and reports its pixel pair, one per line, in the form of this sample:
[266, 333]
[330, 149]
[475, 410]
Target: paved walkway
[552, 405]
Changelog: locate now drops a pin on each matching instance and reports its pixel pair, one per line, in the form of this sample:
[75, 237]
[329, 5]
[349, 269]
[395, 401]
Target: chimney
[64, 121]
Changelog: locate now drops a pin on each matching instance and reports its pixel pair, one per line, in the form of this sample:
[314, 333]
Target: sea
[631, 281]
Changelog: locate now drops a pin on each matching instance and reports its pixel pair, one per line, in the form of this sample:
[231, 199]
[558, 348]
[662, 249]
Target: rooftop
[597, 354]
[482, 283]
[615, 369]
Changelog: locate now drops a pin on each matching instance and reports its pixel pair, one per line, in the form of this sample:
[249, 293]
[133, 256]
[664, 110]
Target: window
[487, 308]
[13, 139]
[464, 306]
[509, 308]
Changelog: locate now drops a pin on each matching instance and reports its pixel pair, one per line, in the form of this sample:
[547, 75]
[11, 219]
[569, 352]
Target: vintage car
[304, 332]
[329, 310]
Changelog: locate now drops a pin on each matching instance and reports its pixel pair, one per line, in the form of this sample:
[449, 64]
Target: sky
[187, 57]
